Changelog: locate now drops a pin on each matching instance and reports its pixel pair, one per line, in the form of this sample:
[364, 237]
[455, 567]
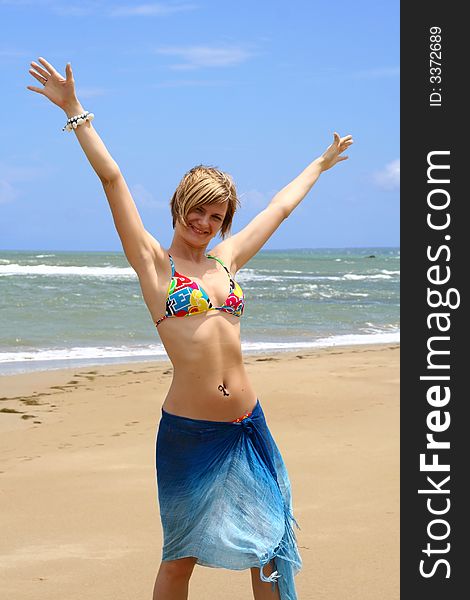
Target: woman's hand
[332, 154]
[59, 90]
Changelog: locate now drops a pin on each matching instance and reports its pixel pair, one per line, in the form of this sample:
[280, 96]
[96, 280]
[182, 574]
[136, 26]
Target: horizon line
[262, 249]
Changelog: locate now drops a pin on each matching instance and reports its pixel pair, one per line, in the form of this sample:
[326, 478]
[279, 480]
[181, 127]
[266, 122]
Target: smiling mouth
[198, 230]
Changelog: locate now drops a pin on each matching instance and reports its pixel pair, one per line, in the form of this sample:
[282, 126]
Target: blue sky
[255, 88]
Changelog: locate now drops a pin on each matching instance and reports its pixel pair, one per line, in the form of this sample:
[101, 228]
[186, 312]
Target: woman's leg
[262, 590]
[173, 579]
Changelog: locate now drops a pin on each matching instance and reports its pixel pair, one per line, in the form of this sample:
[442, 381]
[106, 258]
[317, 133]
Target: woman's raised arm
[138, 245]
[246, 243]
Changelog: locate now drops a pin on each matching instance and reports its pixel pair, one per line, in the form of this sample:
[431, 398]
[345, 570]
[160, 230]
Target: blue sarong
[225, 496]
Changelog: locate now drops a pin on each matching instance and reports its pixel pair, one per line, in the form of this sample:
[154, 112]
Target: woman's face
[204, 222]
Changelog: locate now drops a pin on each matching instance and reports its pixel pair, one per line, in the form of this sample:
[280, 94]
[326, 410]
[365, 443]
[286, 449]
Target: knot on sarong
[247, 425]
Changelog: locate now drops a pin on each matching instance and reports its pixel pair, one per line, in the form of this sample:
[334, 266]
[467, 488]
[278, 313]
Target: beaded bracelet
[77, 120]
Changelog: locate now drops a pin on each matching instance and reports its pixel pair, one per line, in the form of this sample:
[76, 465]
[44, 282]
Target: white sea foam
[357, 294]
[246, 276]
[334, 340]
[87, 352]
[355, 277]
[50, 358]
[55, 270]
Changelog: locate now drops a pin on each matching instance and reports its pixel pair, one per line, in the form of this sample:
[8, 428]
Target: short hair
[204, 185]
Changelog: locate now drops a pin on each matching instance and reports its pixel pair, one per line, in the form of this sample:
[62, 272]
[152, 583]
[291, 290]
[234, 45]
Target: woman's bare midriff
[209, 377]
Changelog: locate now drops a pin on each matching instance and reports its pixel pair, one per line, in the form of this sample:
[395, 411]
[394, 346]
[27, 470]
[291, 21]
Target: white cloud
[192, 83]
[7, 192]
[150, 10]
[74, 10]
[20, 173]
[255, 198]
[86, 8]
[59, 7]
[9, 56]
[389, 177]
[195, 57]
[9, 176]
[145, 198]
[20, 2]
[13, 53]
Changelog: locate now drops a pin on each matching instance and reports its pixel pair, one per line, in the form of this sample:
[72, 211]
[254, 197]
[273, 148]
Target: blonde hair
[204, 185]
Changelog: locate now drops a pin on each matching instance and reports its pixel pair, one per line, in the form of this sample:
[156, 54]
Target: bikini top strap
[221, 262]
[172, 265]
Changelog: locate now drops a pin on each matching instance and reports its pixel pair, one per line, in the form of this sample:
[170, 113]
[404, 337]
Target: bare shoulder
[224, 251]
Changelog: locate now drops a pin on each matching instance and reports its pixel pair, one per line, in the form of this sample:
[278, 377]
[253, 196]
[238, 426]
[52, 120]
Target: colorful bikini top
[185, 297]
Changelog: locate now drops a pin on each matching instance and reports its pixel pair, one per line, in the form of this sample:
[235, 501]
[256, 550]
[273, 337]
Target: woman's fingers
[68, 72]
[342, 140]
[40, 70]
[35, 89]
[49, 67]
[346, 142]
[40, 78]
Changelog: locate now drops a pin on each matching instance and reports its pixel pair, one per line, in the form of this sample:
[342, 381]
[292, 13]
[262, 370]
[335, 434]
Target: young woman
[223, 489]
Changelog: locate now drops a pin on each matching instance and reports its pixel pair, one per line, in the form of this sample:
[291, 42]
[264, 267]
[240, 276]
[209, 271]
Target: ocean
[68, 309]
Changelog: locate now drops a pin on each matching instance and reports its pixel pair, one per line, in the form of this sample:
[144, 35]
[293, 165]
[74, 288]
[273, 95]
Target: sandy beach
[79, 512]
